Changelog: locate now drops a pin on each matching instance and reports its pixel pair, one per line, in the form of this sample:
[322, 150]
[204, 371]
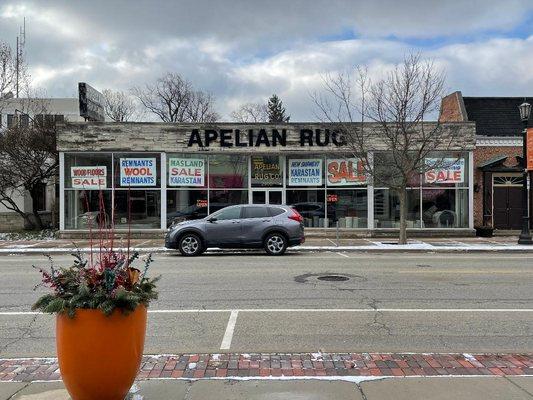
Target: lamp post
[525, 235]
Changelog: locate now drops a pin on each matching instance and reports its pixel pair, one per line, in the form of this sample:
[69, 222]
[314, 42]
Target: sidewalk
[471, 388]
[301, 375]
[379, 245]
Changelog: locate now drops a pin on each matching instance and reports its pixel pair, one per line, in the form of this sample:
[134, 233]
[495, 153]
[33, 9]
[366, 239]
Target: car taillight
[296, 216]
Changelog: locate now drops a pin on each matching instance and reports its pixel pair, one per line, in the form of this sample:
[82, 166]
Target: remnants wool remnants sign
[138, 172]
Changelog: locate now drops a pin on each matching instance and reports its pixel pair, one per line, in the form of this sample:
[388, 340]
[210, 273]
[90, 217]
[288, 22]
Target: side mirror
[212, 219]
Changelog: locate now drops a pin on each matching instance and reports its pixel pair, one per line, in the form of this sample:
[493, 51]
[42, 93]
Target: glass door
[267, 196]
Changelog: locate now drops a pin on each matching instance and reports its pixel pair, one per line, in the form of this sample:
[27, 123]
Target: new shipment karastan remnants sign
[138, 172]
[345, 172]
[88, 177]
[305, 172]
[445, 170]
[186, 172]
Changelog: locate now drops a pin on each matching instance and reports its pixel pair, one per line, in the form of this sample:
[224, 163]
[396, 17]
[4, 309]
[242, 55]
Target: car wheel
[190, 245]
[275, 244]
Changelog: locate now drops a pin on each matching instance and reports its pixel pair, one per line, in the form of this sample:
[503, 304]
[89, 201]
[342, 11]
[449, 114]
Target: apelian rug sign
[88, 177]
[529, 145]
[446, 170]
[345, 172]
[186, 172]
[138, 172]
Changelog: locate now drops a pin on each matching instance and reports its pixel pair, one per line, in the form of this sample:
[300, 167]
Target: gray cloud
[247, 50]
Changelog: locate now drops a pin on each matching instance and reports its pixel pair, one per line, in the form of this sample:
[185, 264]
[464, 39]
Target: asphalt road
[254, 303]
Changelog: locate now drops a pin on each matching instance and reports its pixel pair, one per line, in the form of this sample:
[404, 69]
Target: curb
[418, 248]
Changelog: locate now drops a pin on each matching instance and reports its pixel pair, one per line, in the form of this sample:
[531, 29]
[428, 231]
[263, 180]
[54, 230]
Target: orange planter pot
[100, 356]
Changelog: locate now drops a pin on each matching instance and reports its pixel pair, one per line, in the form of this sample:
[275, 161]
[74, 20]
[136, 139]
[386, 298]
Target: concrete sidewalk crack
[518, 386]
[363, 395]
[18, 391]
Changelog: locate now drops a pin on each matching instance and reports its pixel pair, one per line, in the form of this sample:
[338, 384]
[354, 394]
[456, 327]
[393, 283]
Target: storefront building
[498, 170]
[144, 175]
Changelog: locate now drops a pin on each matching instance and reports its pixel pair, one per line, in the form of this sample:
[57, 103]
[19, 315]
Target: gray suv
[272, 227]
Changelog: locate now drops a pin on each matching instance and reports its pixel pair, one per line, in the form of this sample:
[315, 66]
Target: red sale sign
[346, 171]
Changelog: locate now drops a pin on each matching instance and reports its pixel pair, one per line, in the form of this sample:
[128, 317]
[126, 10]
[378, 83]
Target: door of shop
[267, 196]
[507, 207]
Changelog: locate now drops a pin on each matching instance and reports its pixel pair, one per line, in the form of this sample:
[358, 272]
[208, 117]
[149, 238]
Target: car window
[228, 213]
[256, 212]
[276, 211]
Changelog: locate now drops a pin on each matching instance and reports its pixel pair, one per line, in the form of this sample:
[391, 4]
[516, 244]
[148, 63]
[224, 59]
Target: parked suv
[272, 227]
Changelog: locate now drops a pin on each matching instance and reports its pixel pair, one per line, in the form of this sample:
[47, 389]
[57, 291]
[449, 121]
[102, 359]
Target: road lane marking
[335, 244]
[230, 328]
[344, 255]
[235, 312]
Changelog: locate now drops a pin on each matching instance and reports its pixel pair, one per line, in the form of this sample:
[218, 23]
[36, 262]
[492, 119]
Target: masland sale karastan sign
[138, 172]
[305, 172]
[186, 172]
[445, 170]
[89, 177]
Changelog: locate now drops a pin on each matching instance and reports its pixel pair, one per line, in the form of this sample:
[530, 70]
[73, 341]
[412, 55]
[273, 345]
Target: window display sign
[447, 170]
[138, 172]
[186, 172]
[89, 177]
[305, 172]
[266, 171]
[345, 172]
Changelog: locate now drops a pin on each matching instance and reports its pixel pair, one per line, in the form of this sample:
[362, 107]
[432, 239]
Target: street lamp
[525, 235]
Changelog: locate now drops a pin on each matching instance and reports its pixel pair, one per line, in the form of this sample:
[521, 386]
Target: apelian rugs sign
[89, 177]
[186, 172]
[138, 172]
[529, 144]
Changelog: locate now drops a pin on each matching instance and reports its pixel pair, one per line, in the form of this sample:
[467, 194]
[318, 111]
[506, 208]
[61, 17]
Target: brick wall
[481, 155]
[10, 222]
[452, 108]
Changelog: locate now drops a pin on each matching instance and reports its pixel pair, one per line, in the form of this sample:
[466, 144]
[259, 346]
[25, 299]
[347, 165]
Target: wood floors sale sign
[138, 172]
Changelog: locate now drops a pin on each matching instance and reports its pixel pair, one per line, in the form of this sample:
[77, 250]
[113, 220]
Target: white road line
[342, 254]
[235, 312]
[228, 335]
[335, 244]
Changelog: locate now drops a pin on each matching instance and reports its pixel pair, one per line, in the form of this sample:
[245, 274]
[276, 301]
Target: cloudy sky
[245, 50]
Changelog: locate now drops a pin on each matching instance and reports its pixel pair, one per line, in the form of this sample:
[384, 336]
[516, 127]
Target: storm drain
[333, 278]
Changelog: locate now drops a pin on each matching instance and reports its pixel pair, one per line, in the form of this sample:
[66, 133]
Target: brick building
[497, 156]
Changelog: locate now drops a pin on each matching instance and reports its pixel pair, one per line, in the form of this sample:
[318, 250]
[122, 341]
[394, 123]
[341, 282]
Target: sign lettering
[186, 172]
[138, 172]
[88, 177]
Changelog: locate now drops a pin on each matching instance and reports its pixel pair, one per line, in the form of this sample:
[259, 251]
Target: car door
[223, 228]
[255, 220]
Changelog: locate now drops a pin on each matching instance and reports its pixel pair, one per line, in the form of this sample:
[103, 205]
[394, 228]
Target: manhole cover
[333, 278]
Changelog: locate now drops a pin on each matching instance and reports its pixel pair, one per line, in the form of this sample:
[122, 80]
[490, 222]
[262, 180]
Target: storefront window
[219, 199]
[137, 170]
[144, 209]
[87, 209]
[89, 171]
[348, 208]
[387, 209]
[445, 208]
[311, 205]
[186, 205]
[266, 171]
[228, 171]
[186, 170]
[305, 171]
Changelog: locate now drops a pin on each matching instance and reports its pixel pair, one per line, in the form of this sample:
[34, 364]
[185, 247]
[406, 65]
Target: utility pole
[21, 42]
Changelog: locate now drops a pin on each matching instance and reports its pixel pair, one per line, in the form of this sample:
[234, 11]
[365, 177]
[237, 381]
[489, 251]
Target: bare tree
[119, 106]
[251, 112]
[396, 146]
[7, 69]
[28, 159]
[174, 99]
